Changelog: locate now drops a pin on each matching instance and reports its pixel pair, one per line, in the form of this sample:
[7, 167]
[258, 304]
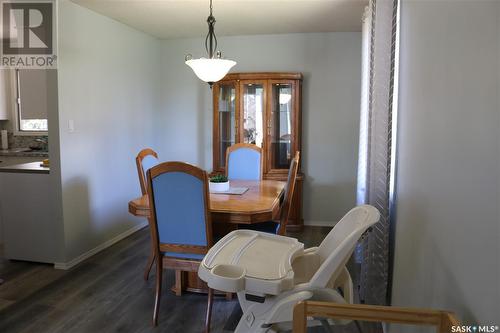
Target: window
[31, 102]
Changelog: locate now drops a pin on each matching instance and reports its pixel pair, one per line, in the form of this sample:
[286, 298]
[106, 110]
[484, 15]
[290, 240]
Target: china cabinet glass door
[226, 114]
[262, 109]
[280, 125]
[252, 112]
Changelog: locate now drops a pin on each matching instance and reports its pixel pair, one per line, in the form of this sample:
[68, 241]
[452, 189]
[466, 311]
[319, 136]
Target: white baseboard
[320, 223]
[99, 248]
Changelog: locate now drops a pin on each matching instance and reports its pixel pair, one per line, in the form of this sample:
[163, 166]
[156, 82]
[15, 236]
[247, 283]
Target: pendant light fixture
[213, 68]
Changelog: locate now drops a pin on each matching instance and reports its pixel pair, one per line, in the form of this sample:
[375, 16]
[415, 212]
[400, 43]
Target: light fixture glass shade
[210, 70]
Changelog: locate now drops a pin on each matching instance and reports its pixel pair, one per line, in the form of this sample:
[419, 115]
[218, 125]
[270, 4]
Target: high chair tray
[257, 262]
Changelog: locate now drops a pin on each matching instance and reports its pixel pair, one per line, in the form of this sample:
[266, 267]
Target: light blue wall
[108, 85]
[447, 252]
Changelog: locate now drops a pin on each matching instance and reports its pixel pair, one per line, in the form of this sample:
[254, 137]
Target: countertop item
[23, 152]
[4, 139]
[33, 167]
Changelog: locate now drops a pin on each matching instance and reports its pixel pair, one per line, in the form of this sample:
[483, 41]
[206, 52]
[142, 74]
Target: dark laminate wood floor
[107, 293]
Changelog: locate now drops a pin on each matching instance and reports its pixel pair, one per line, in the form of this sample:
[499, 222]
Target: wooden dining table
[260, 203]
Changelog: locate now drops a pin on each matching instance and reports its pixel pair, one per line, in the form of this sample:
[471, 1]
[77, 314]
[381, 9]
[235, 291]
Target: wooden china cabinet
[262, 109]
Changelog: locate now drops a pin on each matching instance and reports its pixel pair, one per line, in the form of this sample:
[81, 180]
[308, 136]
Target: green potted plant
[219, 183]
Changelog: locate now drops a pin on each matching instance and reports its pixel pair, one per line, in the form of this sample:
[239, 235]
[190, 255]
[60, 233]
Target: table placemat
[232, 190]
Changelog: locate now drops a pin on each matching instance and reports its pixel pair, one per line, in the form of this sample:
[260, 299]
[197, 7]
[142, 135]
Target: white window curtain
[376, 149]
[365, 96]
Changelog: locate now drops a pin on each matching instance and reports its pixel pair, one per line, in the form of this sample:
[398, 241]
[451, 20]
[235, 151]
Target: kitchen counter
[33, 167]
[24, 152]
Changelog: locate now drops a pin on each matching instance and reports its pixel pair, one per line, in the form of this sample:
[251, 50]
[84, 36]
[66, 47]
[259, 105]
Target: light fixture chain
[211, 39]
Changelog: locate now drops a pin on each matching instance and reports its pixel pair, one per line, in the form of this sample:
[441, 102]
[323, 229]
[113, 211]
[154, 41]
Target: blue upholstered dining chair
[279, 228]
[244, 162]
[145, 160]
[182, 229]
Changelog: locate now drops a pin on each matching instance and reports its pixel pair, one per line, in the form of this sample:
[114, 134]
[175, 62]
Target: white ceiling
[167, 19]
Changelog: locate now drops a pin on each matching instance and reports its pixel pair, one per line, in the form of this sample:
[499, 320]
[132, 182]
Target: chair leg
[209, 309]
[178, 282]
[358, 326]
[149, 265]
[159, 271]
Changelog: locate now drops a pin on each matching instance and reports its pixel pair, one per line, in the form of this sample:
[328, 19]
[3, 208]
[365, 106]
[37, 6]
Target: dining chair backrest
[286, 205]
[178, 195]
[335, 250]
[244, 162]
[145, 160]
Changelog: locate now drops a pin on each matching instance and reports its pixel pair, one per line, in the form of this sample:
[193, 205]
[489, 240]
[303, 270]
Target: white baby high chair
[271, 273]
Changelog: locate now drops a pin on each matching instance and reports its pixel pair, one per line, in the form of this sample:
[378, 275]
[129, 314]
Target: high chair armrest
[283, 309]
